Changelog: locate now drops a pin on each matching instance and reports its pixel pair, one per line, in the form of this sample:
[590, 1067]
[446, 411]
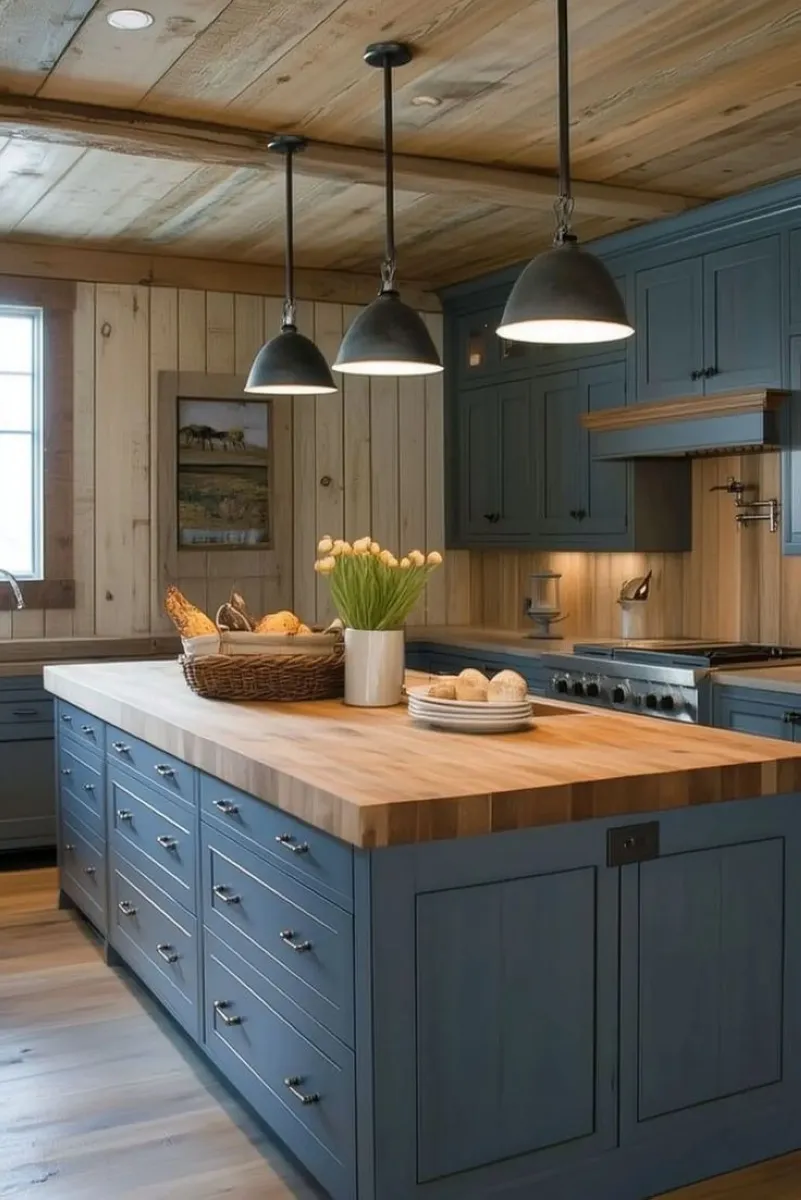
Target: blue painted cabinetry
[791, 456]
[766, 713]
[442, 659]
[27, 793]
[497, 448]
[668, 319]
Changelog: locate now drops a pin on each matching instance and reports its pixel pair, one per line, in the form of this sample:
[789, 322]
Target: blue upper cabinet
[480, 353]
[496, 447]
[742, 316]
[668, 319]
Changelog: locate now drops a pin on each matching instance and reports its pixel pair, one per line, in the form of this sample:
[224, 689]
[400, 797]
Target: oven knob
[578, 689]
[667, 704]
[560, 685]
[651, 700]
[619, 695]
[593, 690]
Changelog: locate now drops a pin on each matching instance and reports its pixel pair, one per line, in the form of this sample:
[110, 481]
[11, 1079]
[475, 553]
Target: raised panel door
[27, 794]
[516, 488]
[669, 347]
[559, 401]
[742, 316]
[605, 500]
[479, 461]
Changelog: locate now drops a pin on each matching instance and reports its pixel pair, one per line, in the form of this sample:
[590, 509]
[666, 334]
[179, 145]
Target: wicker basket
[280, 677]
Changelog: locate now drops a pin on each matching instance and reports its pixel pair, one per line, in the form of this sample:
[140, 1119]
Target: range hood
[729, 422]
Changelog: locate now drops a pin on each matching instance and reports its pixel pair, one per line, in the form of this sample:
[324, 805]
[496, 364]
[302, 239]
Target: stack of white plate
[468, 716]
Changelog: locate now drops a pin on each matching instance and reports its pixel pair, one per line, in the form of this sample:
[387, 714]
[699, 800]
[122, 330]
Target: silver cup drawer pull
[291, 843]
[164, 771]
[88, 787]
[227, 807]
[288, 937]
[294, 1084]
[88, 730]
[120, 747]
[123, 814]
[90, 870]
[220, 1007]
[69, 847]
[66, 770]
[66, 718]
[167, 842]
[126, 908]
[224, 893]
[167, 953]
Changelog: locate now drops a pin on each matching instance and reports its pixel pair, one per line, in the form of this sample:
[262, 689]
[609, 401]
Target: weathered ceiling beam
[148, 135]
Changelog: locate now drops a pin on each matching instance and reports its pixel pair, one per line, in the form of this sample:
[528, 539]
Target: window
[36, 440]
[21, 441]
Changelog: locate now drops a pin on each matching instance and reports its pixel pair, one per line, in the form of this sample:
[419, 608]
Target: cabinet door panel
[479, 460]
[750, 714]
[27, 795]
[742, 316]
[560, 402]
[668, 321]
[605, 500]
[506, 1019]
[516, 465]
[478, 345]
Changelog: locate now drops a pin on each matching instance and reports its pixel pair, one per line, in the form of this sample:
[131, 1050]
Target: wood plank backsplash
[380, 444]
[734, 583]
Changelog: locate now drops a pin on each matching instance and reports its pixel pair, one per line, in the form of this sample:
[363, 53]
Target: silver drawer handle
[288, 936]
[66, 770]
[120, 747]
[288, 842]
[88, 787]
[164, 771]
[221, 891]
[69, 848]
[124, 815]
[88, 730]
[23, 712]
[66, 717]
[168, 843]
[90, 870]
[167, 953]
[220, 1007]
[227, 806]
[293, 1082]
[126, 908]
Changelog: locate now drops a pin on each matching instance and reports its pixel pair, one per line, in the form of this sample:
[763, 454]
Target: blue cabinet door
[766, 714]
[742, 316]
[709, 1010]
[669, 330]
[496, 462]
[791, 457]
[27, 794]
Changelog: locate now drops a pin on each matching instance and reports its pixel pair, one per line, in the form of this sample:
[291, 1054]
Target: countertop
[476, 637]
[29, 656]
[372, 778]
[769, 679]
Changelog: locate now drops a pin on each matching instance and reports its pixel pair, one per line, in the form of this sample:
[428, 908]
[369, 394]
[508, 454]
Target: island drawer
[299, 940]
[80, 724]
[315, 858]
[163, 771]
[29, 717]
[83, 869]
[80, 776]
[299, 1079]
[156, 833]
[157, 938]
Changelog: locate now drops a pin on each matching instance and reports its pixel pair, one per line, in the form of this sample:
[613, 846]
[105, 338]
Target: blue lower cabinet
[81, 783]
[765, 713]
[83, 869]
[437, 658]
[157, 938]
[155, 833]
[27, 792]
[297, 1076]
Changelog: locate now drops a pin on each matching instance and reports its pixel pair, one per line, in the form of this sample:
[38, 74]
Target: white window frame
[37, 315]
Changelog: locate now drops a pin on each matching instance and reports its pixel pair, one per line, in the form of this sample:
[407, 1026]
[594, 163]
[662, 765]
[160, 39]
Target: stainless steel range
[670, 679]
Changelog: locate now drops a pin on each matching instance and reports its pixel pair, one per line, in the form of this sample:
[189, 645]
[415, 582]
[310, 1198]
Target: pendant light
[565, 294]
[289, 364]
[388, 337]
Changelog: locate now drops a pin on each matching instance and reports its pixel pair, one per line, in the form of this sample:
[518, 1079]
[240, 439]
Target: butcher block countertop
[29, 656]
[768, 679]
[372, 778]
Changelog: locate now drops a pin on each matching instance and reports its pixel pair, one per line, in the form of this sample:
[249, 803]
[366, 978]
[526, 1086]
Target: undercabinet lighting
[129, 19]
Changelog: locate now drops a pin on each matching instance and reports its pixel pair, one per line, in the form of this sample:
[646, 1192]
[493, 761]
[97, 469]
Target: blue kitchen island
[541, 966]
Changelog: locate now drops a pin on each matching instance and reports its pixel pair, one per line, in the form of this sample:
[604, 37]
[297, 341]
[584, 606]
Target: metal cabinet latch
[627, 844]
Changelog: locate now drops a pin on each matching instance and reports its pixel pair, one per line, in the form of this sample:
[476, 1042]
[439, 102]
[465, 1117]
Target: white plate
[501, 718]
[418, 696]
[468, 725]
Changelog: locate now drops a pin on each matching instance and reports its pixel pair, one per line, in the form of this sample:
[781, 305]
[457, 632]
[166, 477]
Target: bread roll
[187, 619]
[471, 675]
[443, 689]
[280, 622]
[507, 687]
[232, 619]
[468, 689]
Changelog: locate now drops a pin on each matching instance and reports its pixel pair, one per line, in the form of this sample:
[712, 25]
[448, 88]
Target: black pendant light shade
[289, 364]
[388, 337]
[565, 295]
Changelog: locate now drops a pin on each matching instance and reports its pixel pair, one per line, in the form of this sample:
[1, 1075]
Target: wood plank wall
[735, 583]
[380, 443]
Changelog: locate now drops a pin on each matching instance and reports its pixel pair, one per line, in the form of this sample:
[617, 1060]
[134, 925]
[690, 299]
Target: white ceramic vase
[374, 665]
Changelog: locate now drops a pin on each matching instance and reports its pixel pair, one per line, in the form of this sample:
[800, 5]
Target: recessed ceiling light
[426, 101]
[129, 19]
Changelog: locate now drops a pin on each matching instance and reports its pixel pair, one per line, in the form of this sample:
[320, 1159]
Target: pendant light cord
[564, 203]
[388, 265]
[288, 316]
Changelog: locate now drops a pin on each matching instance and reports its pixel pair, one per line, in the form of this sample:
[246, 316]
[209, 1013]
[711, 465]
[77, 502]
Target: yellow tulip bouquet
[370, 587]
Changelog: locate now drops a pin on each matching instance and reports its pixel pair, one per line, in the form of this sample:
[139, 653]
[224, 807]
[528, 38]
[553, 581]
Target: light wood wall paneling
[193, 579]
[412, 473]
[356, 449]
[122, 432]
[435, 598]
[330, 463]
[84, 460]
[163, 357]
[305, 485]
[278, 588]
[384, 462]
[220, 352]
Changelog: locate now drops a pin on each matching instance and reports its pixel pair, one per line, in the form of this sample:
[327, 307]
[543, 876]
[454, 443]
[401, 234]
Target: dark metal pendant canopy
[289, 364]
[388, 337]
[565, 294]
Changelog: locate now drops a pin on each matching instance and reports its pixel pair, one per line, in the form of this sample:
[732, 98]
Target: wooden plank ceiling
[674, 102]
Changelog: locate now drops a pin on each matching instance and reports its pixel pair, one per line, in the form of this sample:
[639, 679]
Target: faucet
[14, 587]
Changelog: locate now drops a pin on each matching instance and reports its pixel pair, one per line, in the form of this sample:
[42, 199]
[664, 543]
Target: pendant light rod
[564, 99]
[388, 266]
[288, 144]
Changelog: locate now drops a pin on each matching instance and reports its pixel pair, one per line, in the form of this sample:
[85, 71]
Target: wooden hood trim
[683, 408]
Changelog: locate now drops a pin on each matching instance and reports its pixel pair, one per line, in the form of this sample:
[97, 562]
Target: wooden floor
[103, 1100]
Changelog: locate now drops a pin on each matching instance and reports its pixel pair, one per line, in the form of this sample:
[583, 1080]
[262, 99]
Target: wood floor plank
[103, 1098]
